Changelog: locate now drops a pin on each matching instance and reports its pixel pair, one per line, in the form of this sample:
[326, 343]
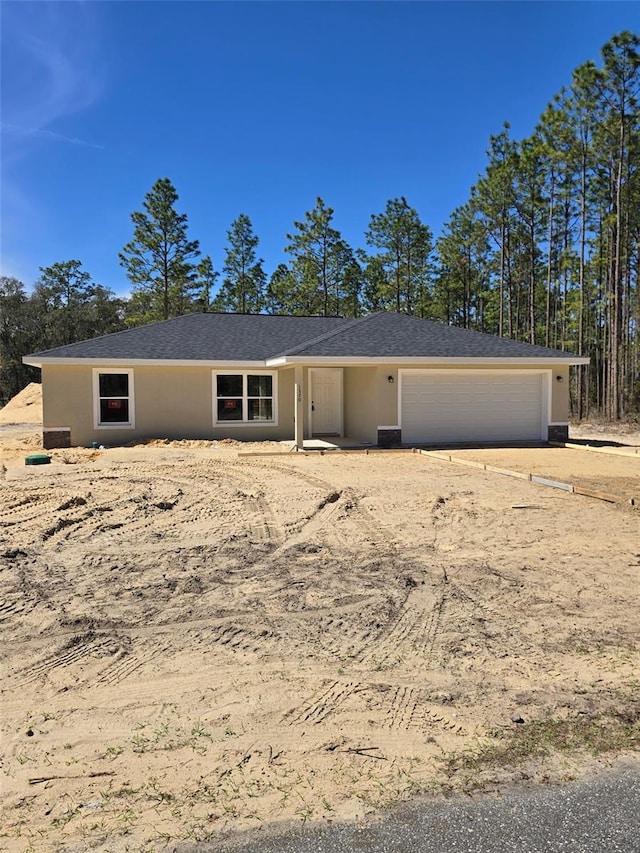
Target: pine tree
[278, 290]
[619, 90]
[494, 202]
[159, 260]
[62, 290]
[320, 259]
[561, 212]
[462, 294]
[243, 286]
[206, 277]
[405, 245]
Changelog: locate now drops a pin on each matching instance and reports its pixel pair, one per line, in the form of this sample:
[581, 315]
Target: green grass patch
[612, 731]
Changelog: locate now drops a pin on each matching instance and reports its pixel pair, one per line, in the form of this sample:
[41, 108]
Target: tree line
[546, 250]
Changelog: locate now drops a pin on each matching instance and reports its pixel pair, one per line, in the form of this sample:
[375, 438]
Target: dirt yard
[615, 473]
[197, 643]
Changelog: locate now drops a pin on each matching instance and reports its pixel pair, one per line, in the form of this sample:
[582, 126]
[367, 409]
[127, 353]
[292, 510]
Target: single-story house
[384, 379]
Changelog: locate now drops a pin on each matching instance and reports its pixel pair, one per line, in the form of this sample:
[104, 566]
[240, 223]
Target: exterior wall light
[390, 380]
[559, 378]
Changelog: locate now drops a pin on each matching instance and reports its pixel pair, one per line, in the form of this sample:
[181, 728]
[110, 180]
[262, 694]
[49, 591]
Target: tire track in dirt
[403, 711]
[317, 521]
[126, 662]
[403, 707]
[327, 700]
[342, 637]
[414, 630]
[305, 476]
[400, 707]
[263, 523]
[351, 524]
[359, 517]
[143, 646]
[16, 604]
[75, 650]
[236, 637]
[147, 511]
[409, 708]
[326, 487]
[28, 509]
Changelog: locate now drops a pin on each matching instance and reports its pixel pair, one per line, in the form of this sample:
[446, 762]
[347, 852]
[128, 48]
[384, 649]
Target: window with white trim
[113, 398]
[244, 398]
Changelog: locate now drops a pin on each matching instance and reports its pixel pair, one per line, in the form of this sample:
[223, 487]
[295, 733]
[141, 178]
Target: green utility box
[37, 459]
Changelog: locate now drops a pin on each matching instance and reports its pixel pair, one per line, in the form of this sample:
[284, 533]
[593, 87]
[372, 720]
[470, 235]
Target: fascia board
[422, 360]
[142, 362]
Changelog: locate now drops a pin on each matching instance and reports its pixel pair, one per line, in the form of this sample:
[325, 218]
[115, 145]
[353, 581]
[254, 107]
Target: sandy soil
[25, 407]
[615, 472]
[196, 643]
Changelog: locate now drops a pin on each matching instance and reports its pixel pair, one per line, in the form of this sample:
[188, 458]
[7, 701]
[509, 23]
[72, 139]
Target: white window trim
[131, 423]
[244, 422]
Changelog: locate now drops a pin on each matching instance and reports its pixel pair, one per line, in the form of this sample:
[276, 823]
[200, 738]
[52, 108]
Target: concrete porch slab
[330, 443]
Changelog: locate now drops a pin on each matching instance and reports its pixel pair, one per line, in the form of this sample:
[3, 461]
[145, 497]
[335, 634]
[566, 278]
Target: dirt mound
[25, 407]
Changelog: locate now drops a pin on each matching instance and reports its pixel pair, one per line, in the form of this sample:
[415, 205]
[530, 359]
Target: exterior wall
[560, 395]
[360, 403]
[169, 402]
[177, 402]
[559, 432]
[387, 396]
[55, 439]
[67, 401]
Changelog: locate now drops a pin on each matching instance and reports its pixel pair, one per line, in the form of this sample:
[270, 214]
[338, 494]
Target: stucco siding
[360, 403]
[67, 401]
[177, 402]
[387, 395]
[560, 394]
[169, 402]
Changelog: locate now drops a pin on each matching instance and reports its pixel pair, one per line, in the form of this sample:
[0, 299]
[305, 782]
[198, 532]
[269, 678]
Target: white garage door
[450, 407]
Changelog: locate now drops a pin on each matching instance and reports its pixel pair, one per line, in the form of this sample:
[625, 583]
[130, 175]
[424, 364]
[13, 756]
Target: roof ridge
[298, 349]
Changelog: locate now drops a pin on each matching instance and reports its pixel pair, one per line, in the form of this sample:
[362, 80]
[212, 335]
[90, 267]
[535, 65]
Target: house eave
[141, 362]
[290, 361]
[471, 361]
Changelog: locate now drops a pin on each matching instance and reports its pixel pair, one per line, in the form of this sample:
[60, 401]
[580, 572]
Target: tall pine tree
[159, 260]
[405, 245]
[320, 261]
[243, 286]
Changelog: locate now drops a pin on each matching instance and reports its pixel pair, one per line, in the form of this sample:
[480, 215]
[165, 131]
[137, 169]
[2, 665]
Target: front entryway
[325, 417]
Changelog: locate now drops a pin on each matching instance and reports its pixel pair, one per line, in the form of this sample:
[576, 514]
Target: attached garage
[451, 406]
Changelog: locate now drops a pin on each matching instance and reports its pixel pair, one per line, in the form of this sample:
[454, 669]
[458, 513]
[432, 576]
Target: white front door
[326, 401]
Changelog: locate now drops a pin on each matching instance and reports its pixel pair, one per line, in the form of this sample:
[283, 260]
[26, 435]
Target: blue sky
[259, 107]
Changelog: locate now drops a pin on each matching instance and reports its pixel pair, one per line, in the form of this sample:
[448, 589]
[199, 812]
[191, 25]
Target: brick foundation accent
[389, 437]
[56, 438]
[558, 433]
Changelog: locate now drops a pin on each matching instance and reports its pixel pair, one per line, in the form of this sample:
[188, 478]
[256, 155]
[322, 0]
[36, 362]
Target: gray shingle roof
[258, 337]
[204, 337]
[389, 335]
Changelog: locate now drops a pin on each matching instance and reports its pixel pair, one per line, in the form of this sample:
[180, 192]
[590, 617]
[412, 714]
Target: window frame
[105, 371]
[245, 422]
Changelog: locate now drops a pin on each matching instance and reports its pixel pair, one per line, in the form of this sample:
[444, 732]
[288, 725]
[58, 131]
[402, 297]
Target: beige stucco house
[384, 379]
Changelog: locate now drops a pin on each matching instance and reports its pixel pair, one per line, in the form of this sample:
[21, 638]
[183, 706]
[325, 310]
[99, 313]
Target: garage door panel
[455, 407]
